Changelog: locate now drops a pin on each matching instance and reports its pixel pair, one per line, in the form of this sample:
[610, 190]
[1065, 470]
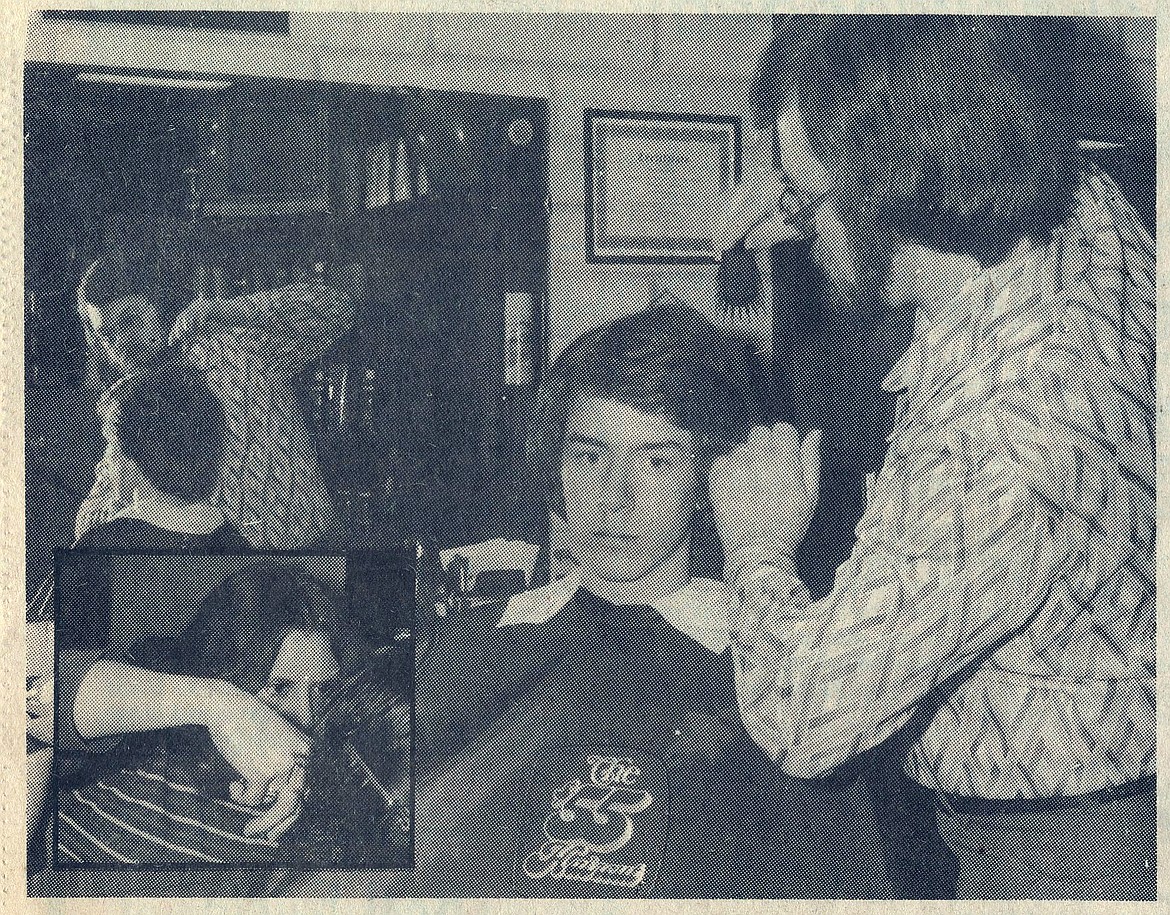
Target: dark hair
[955, 131]
[240, 627]
[169, 422]
[668, 360]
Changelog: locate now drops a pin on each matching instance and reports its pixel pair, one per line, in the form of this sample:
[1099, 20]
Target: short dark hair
[957, 132]
[667, 360]
[171, 424]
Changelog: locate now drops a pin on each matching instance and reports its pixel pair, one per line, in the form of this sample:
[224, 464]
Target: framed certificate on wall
[653, 185]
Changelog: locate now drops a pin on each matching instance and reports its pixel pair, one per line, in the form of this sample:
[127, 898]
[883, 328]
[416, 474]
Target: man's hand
[764, 493]
[752, 213]
[269, 754]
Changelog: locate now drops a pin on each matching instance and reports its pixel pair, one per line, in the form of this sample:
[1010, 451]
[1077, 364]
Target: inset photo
[229, 710]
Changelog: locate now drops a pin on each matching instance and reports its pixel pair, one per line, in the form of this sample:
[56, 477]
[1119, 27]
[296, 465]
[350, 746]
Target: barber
[997, 611]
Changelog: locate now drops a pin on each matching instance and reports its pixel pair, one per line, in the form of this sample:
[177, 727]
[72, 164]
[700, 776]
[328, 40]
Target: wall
[658, 63]
[654, 63]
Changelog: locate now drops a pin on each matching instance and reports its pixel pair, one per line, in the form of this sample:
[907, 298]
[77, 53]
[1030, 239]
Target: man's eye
[587, 457]
[659, 461]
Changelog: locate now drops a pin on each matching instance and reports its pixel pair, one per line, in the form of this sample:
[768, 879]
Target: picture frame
[652, 183]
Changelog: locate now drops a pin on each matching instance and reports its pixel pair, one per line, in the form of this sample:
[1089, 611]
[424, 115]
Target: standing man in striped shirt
[995, 621]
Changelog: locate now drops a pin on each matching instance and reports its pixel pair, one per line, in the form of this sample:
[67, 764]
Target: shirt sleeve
[278, 331]
[103, 502]
[952, 559]
[993, 521]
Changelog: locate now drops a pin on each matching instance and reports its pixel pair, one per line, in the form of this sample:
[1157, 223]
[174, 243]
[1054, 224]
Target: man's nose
[776, 226]
[618, 486]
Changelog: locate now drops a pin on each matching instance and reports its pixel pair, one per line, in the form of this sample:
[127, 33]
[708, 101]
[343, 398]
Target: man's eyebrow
[663, 445]
[585, 440]
[108, 316]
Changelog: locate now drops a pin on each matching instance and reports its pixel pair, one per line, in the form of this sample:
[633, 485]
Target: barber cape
[570, 747]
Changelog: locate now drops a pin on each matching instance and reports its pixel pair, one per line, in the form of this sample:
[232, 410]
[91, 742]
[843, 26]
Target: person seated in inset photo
[256, 672]
[625, 658]
[165, 431]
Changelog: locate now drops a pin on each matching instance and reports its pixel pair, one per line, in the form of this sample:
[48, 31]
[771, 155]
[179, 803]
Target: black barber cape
[601, 753]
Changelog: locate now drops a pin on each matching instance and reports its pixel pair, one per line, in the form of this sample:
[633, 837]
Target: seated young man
[586, 741]
[165, 431]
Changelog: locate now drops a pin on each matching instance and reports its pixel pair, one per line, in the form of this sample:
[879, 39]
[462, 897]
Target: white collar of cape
[700, 609]
[197, 518]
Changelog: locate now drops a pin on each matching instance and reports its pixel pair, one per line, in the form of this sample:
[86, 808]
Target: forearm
[279, 330]
[114, 698]
[821, 683]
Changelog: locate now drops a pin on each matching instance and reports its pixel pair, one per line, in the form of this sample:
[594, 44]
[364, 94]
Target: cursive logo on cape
[572, 861]
[589, 820]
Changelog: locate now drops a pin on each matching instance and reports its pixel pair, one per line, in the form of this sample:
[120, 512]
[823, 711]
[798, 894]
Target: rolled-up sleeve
[277, 331]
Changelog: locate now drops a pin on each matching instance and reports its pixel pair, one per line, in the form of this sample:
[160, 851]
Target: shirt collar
[934, 343]
[701, 609]
[194, 518]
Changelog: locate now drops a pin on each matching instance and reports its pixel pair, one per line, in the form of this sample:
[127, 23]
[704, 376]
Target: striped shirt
[271, 487]
[998, 607]
[152, 816]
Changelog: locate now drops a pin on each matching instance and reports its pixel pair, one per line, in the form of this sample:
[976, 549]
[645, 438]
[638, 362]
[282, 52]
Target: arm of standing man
[950, 561]
[285, 329]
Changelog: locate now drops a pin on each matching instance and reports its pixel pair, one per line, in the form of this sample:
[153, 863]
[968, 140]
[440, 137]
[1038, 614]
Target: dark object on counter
[739, 279]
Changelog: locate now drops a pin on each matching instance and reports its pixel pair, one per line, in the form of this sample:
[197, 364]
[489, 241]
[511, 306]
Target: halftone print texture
[147, 776]
[943, 685]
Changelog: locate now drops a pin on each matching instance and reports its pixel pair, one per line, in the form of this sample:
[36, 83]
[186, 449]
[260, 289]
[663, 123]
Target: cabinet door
[440, 267]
